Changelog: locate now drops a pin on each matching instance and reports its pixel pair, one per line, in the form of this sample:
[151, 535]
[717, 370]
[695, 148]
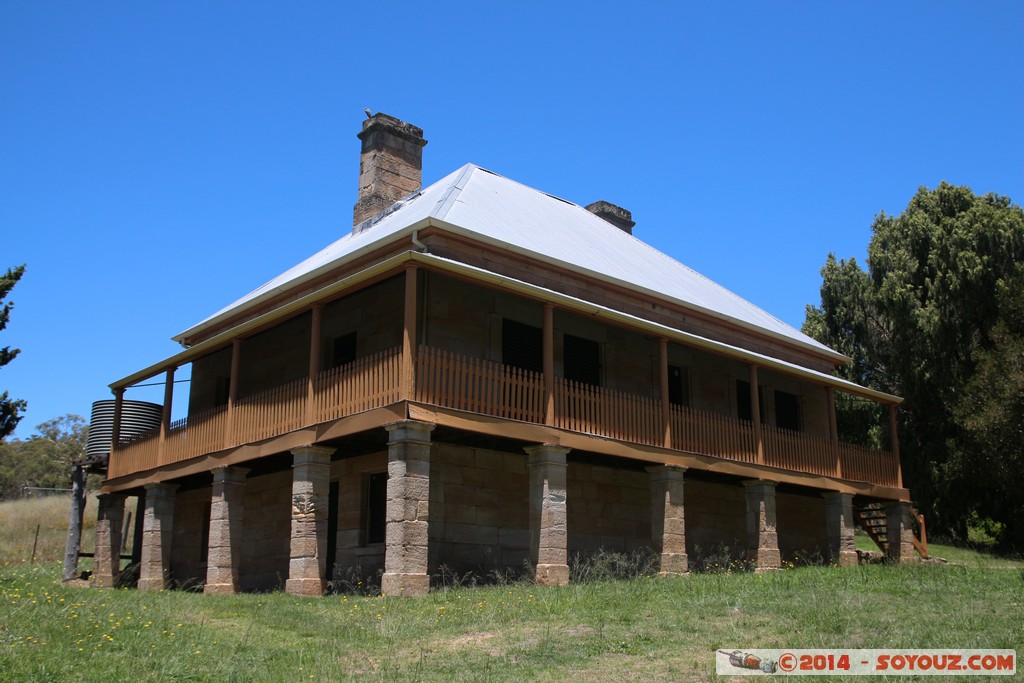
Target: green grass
[642, 629]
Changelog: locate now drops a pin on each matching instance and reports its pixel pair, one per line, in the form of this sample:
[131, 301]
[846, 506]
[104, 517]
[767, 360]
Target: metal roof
[490, 208]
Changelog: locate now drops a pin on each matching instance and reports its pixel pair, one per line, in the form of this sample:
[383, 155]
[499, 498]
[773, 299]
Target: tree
[930, 320]
[10, 409]
[44, 459]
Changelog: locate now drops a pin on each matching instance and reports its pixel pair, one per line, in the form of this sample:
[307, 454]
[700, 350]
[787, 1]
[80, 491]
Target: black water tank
[137, 417]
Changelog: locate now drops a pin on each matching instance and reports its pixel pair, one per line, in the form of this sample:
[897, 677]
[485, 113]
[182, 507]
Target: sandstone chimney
[616, 215]
[390, 164]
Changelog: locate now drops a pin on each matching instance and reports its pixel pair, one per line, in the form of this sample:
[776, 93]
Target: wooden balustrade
[866, 464]
[363, 384]
[459, 382]
[605, 412]
[722, 436]
[797, 451]
[453, 381]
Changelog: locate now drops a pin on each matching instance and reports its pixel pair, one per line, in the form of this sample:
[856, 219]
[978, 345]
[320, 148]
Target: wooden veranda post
[229, 423]
[755, 414]
[666, 408]
[409, 334]
[895, 440]
[165, 420]
[115, 434]
[549, 364]
[314, 362]
[833, 429]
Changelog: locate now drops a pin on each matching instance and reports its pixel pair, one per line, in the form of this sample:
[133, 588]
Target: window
[344, 350]
[678, 386]
[221, 391]
[376, 507]
[204, 534]
[582, 360]
[522, 346]
[743, 406]
[787, 411]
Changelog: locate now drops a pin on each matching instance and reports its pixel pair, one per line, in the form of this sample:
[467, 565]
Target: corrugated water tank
[137, 418]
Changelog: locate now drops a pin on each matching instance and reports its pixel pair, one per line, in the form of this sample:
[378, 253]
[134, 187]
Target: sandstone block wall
[715, 516]
[801, 526]
[191, 525]
[479, 515]
[266, 532]
[608, 508]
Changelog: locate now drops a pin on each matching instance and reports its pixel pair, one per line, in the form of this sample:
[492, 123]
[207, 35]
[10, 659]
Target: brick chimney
[616, 215]
[390, 164]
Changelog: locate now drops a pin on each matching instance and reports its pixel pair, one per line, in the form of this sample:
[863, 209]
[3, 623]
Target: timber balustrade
[459, 382]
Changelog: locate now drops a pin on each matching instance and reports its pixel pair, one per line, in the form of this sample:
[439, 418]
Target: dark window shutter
[582, 360]
[787, 411]
[522, 346]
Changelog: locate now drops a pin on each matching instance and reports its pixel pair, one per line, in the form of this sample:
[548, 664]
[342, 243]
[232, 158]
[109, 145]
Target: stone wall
[715, 517]
[355, 558]
[479, 517]
[608, 508]
[188, 545]
[266, 532]
[801, 526]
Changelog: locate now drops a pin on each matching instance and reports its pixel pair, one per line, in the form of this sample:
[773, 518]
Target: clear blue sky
[159, 160]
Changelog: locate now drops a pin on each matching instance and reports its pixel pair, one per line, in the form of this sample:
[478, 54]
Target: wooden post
[74, 541]
[666, 408]
[236, 362]
[314, 363]
[895, 439]
[165, 420]
[755, 414]
[549, 364]
[115, 435]
[409, 334]
[833, 429]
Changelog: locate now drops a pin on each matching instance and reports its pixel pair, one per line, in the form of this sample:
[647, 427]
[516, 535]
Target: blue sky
[159, 160]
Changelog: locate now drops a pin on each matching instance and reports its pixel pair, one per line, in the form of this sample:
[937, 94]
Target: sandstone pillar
[107, 560]
[549, 534]
[157, 530]
[307, 564]
[839, 529]
[900, 532]
[762, 539]
[668, 525]
[406, 537]
[226, 515]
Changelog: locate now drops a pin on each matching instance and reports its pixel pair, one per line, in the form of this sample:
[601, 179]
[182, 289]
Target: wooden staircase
[872, 519]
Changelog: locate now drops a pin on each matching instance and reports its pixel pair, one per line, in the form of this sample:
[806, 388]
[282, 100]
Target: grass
[638, 629]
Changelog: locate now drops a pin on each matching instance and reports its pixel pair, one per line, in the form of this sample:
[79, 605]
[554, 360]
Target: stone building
[484, 376]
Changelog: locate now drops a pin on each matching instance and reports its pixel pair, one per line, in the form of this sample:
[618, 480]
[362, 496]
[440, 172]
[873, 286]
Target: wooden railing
[606, 412]
[707, 433]
[459, 382]
[453, 381]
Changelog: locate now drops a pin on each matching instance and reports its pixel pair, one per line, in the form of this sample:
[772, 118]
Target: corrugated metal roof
[491, 208]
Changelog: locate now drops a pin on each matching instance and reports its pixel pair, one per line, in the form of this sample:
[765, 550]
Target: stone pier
[107, 561]
[226, 517]
[839, 529]
[762, 538]
[900, 532]
[157, 532]
[307, 563]
[406, 554]
[668, 523]
[549, 534]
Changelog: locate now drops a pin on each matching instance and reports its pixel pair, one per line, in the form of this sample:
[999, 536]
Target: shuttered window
[743, 411]
[678, 386]
[582, 360]
[787, 411]
[522, 346]
[376, 507]
[344, 350]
